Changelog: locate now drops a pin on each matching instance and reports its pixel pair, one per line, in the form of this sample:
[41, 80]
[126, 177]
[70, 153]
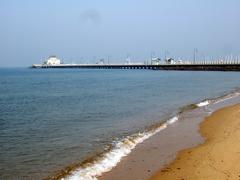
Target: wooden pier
[168, 67]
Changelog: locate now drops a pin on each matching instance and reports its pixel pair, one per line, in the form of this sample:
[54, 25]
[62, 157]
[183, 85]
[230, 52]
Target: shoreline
[217, 157]
[118, 167]
[164, 146]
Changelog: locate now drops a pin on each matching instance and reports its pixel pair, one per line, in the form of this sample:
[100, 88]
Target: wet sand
[159, 150]
[218, 158]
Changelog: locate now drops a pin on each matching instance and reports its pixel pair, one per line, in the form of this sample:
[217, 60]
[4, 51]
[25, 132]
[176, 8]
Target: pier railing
[186, 66]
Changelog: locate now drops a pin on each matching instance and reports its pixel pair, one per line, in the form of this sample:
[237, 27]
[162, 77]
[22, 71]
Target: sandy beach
[217, 158]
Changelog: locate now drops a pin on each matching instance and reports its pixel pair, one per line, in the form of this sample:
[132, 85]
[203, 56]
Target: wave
[203, 103]
[227, 97]
[91, 170]
[219, 99]
[172, 120]
[110, 159]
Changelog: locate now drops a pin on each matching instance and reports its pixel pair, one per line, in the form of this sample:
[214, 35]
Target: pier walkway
[177, 67]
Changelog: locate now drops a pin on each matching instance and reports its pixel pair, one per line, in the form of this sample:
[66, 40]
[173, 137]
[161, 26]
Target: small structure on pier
[127, 61]
[155, 61]
[170, 61]
[52, 60]
[101, 62]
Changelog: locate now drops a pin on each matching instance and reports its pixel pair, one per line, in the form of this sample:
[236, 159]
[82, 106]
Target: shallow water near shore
[161, 148]
[51, 119]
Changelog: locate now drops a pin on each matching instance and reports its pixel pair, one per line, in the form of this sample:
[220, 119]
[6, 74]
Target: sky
[80, 31]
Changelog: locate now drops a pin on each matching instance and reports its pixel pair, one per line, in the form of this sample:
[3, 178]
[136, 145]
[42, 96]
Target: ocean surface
[51, 119]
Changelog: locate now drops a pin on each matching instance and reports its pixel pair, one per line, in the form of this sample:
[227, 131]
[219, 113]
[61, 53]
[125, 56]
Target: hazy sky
[77, 30]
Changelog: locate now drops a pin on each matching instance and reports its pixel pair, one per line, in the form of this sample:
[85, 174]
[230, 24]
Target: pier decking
[176, 67]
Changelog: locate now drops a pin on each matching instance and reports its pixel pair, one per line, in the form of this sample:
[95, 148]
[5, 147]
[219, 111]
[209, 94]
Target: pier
[168, 67]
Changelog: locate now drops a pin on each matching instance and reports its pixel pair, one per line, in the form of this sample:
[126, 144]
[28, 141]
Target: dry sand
[218, 158]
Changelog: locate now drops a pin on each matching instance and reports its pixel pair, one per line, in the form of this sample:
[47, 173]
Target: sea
[79, 123]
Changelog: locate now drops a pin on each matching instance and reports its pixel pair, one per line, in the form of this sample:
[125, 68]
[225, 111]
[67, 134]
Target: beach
[119, 90]
[153, 158]
[217, 158]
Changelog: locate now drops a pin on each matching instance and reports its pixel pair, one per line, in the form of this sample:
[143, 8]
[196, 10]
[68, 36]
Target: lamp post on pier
[195, 55]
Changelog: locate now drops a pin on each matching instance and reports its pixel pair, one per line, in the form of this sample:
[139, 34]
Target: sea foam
[219, 99]
[122, 148]
[227, 97]
[203, 103]
[172, 120]
[110, 159]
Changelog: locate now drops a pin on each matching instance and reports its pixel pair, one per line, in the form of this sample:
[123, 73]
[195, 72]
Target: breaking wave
[227, 96]
[203, 103]
[110, 159]
[222, 98]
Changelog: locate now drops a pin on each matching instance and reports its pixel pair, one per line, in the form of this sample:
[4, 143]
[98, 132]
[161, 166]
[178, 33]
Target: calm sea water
[51, 118]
